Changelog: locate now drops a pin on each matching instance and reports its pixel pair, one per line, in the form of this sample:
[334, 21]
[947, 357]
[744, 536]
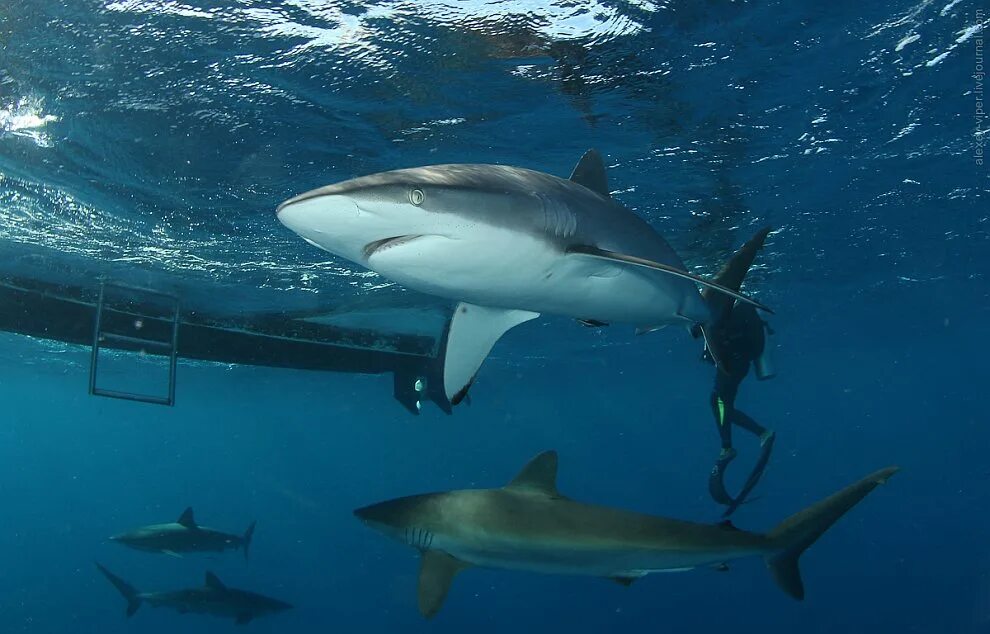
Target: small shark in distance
[183, 536]
[529, 525]
[213, 598]
[507, 244]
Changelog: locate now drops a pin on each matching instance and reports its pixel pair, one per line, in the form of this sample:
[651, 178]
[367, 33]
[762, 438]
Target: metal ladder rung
[169, 348]
[129, 396]
[153, 343]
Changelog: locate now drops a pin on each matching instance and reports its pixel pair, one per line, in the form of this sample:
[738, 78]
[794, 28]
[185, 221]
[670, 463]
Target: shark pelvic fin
[436, 572]
[243, 618]
[539, 474]
[472, 333]
[213, 581]
[590, 172]
[624, 581]
[172, 553]
[187, 519]
[613, 256]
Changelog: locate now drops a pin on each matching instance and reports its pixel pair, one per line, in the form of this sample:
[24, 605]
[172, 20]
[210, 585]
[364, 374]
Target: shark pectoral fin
[436, 572]
[243, 618]
[472, 333]
[590, 172]
[539, 474]
[172, 553]
[187, 519]
[613, 256]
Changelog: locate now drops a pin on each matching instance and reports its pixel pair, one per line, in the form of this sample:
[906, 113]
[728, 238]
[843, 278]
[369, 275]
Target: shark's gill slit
[378, 246]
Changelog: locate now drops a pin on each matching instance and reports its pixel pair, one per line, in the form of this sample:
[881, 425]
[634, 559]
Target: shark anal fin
[539, 474]
[472, 333]
[213, 581]
[436, 572]
[613, 256]
[590, 172]
[187, 519]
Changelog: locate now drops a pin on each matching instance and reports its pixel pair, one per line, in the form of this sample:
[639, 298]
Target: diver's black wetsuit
[740, 339]
[735, 339]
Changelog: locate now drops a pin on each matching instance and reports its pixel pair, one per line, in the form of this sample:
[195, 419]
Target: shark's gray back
[535, 518]
[556, 209]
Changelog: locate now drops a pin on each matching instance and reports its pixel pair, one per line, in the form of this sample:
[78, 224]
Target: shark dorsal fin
[437, 570]
[539, 474]
[213, 581]
[187, 519]
[590, 172]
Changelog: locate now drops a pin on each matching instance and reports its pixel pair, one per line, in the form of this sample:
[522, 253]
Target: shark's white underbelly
[506, 270]
[564, 560]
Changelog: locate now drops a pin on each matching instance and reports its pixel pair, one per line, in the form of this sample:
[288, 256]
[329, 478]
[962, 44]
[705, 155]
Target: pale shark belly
[506, 271]
[562, 559]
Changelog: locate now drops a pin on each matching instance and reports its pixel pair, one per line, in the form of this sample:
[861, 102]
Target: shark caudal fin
[246, 540]
[130, 592]
[471, 334]
[798, 532]
[733, 273]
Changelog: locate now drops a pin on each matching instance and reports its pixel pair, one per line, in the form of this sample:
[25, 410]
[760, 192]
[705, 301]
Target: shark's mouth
[378, 246]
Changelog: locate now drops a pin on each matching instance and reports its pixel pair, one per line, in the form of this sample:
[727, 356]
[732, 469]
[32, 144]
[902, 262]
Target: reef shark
[184, 535]
[507, 244]
[213, 598]
[529, 525]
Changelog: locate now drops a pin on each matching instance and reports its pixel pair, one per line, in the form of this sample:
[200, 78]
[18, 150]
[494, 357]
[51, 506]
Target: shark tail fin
[795, 534]
[733, 273]
[246, 540]
[127, 590]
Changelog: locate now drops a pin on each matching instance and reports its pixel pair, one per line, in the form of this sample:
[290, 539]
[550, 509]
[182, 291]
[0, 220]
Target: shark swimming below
[213, 598]
[184, 536]
[529, 525]
[507, 244]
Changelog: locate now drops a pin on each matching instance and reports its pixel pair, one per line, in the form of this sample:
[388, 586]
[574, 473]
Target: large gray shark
[184, 535]
[213, 598]
[529, 525]
[507, 244]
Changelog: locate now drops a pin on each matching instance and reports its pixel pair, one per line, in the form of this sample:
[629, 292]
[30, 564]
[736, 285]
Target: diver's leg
[743, 420]
[716, 482]
[722, 413]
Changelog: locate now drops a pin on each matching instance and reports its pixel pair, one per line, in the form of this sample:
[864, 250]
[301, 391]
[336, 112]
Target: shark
[183, 536]
[505, 244]
[529, 525]
[213, 598]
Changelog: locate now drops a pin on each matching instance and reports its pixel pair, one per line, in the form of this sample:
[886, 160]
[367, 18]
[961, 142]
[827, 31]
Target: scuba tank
[763, 366]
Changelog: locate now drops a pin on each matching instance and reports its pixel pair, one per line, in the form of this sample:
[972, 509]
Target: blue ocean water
[152, 139]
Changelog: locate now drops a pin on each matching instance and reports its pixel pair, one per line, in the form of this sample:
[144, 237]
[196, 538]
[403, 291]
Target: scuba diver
[735, 339]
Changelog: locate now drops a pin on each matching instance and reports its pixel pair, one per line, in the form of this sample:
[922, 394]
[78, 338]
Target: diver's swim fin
[754, 476]
[716, 482]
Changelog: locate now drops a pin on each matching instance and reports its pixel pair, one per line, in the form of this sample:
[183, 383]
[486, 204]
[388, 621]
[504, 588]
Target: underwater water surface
[148, 140]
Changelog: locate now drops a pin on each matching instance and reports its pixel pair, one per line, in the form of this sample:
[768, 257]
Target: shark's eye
[416, 196]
